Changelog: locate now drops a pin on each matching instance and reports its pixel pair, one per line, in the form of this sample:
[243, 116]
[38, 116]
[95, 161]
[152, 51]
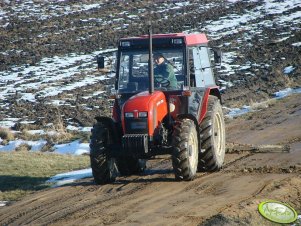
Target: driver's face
[159, 60]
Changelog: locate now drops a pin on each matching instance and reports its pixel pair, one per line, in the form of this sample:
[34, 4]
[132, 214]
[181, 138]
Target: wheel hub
[193, 151]
[217, 134]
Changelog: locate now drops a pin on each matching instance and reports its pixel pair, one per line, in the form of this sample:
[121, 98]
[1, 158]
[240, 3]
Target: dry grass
[61, 134]
[52, 138]
[24, 126]
[25, 135]
[263, 105]
[59, 138]
[48, 147]
[84, 137]
[23, 148]
[6, 135]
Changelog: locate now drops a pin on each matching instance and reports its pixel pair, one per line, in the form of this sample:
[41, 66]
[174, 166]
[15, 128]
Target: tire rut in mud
[63, 206]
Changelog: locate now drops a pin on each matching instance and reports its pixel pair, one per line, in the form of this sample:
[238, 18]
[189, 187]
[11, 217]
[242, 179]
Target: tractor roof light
[125, 44]
[177, 41]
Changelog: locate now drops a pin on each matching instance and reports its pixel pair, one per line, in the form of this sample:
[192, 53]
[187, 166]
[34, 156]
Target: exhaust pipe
[150, 65]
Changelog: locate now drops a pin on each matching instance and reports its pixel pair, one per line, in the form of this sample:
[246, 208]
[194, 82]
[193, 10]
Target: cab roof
[189, 39]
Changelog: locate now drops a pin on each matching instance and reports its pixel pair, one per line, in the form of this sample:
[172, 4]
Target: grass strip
[22, 173]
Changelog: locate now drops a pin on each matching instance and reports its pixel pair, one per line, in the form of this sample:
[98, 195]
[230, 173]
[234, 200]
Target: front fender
[114, 127]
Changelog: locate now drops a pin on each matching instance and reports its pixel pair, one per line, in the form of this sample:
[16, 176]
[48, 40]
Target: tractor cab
[133, 68]
[186, 54]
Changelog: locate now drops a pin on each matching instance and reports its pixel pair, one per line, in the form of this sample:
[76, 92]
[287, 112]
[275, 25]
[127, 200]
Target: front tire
[212, 154]
[103, 166]
[185, 150]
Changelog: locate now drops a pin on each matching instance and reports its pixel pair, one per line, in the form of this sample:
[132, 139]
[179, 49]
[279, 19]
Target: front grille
[136, 126]
[136, 144]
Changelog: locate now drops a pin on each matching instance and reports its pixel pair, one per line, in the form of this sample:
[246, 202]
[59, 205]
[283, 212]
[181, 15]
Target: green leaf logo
[277, 212]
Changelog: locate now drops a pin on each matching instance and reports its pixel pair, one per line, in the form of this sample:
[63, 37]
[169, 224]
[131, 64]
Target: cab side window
[191, 67]
[196, 76]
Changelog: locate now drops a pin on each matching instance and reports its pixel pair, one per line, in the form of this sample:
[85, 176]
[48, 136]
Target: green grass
[22, 173]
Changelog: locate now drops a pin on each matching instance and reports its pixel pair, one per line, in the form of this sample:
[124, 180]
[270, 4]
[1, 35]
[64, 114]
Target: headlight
[142, 114]
[172, 107]
[129, 115]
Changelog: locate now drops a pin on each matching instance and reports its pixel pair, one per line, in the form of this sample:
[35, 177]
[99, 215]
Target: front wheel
[185, 150]
[103, 166]
[212, 129]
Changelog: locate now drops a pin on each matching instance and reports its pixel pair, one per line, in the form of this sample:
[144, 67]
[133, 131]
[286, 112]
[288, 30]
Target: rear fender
[114, 127]
[214, 91]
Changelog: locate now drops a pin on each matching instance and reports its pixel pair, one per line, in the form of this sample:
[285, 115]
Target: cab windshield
[134, 75]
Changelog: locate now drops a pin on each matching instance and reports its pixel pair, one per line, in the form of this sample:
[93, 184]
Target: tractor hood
[144, 112]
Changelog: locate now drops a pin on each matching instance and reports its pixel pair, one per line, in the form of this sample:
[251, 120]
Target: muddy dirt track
[228, 197]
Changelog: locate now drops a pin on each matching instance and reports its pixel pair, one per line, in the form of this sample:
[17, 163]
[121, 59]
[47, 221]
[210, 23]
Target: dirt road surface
[228, 197]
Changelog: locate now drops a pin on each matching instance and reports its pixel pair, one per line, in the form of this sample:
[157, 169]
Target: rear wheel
[212, 154]
[185, 150]
[130, 165]
[103, 166]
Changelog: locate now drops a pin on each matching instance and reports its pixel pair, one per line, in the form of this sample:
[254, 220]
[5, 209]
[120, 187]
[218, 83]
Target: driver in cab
[164, 74]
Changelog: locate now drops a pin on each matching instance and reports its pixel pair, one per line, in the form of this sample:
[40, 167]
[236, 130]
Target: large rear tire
[185, 150]
[103, 166]
[212, 153]
[130, 165]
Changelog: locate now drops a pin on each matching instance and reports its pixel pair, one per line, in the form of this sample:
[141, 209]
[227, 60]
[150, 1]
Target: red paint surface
[205, 103]
[189, 39]
[150, 103]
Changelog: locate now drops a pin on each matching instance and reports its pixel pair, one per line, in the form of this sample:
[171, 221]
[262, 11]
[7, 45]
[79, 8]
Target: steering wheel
[162, 81]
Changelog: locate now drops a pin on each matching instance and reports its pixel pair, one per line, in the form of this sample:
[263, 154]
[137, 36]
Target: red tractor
[151, 117]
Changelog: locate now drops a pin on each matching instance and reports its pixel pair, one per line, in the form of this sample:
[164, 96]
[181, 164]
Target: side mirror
[100, 62]
[217, 56]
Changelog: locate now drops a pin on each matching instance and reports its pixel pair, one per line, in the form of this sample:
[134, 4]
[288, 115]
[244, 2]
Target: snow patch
[36, 132]
[82, 129]
[286, 92]
[7, 124]
[34, 145]
[296, 44]
[73, 148]
[234, 112]
[69, 177]
[288, 70]
[52, 71]
[3, 203]
[42, 132]
[42, 10]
